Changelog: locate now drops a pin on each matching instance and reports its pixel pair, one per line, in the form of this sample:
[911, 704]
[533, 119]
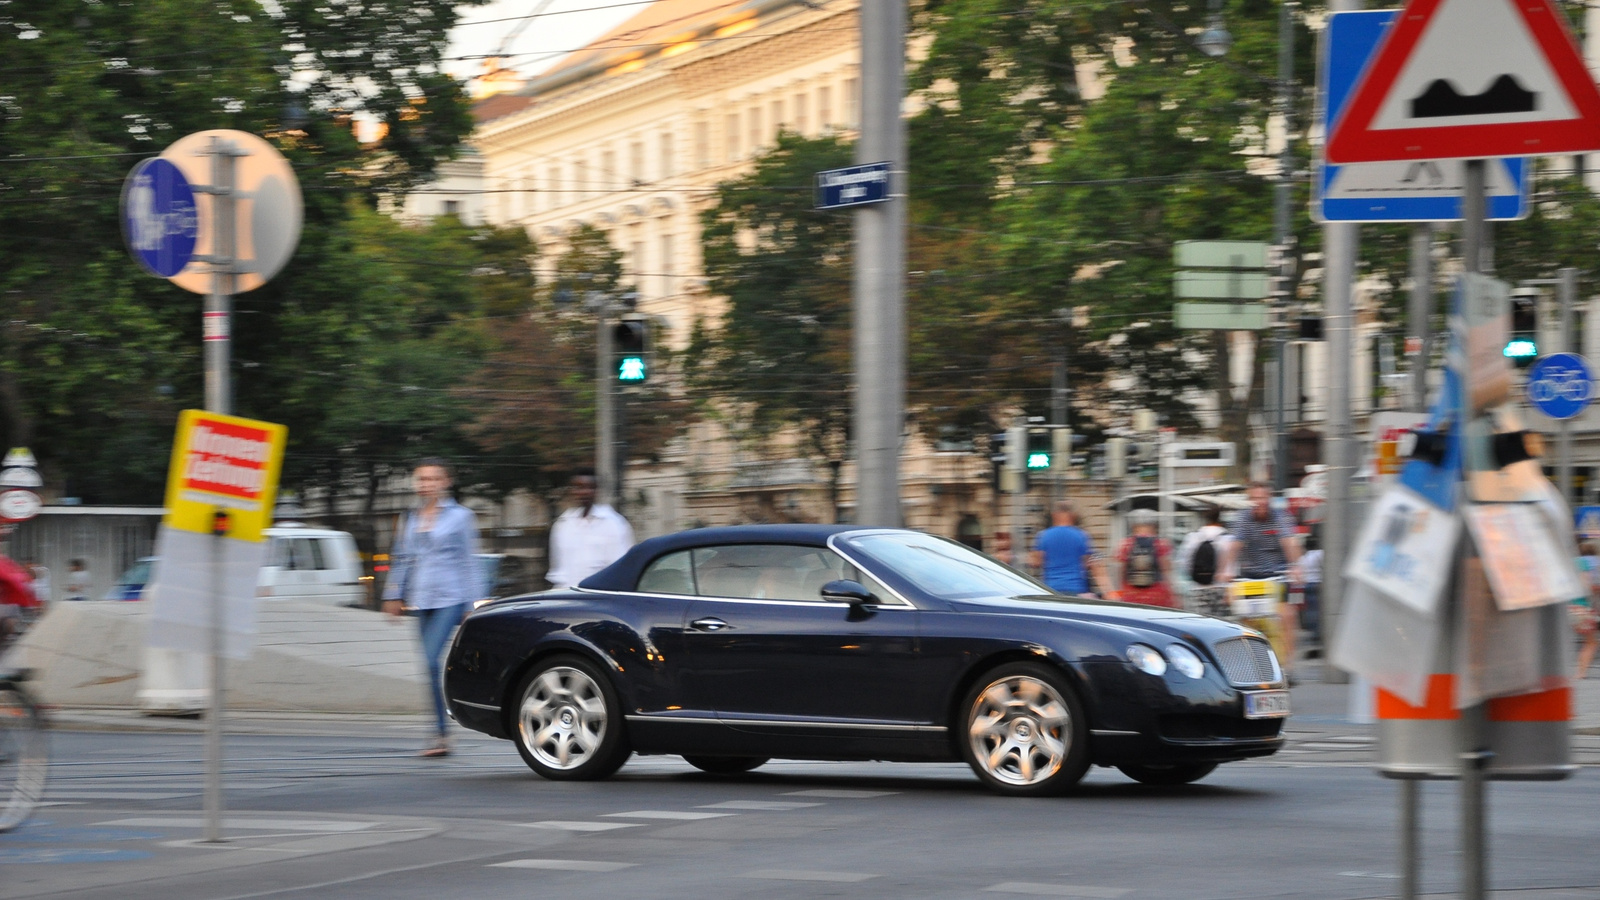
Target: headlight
[1186, 661]
[1147, 659]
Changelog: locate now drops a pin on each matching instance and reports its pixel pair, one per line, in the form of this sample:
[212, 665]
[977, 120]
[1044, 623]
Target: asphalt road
[343, 809]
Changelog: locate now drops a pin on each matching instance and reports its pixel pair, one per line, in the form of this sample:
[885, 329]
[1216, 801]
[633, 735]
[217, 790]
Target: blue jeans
[436, 626]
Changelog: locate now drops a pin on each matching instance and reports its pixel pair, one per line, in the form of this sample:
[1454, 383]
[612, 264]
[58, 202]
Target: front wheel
[1025, 733]
[569, 721]
[1168, 775]
[725, 765]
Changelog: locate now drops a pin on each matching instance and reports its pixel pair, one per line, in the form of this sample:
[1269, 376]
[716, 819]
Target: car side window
[670, 574]
[772, 572]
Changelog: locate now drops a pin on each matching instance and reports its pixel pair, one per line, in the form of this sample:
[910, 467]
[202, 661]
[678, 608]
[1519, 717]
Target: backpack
[1144, 569]
[1203, 563]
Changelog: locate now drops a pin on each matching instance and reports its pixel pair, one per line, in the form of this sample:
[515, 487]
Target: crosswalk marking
[666, 814]
[759, 805]
[807, 875]
[316, 826]
[579, 826]
[563, 865]
[1058, 890]
[840, 794]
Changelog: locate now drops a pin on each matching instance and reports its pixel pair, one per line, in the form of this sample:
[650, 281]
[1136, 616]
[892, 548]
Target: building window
[754, 127]
[608, 169]
[505, 199]
[824, 108]
[801, 126]
[669, 266]
[732, 137]
[702, 145]
[778, 121]
[553, 187]
[452, 207]
[636, 254]
[636, 162]
[669, 166]
[580, 180]
[852, 104]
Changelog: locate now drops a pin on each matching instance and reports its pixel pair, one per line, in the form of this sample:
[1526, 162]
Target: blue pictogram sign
[853, 186]
[158, 217]
[1559, 385]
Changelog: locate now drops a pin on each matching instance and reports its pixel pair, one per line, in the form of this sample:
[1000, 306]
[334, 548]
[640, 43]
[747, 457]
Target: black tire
[1184, 773]
[1023, 732]
[726, 765]
[567, 721]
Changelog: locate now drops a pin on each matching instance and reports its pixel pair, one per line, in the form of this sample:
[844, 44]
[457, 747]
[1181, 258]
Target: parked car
[730, 646]
[318, 565]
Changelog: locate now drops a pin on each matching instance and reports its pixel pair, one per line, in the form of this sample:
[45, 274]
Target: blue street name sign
[1559, 385]
[158, 217]
[1413, 191]
[853, 186]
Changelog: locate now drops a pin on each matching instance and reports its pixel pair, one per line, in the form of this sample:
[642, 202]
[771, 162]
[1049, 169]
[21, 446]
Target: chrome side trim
[487, 706]
[788, 723]
[1112, 732]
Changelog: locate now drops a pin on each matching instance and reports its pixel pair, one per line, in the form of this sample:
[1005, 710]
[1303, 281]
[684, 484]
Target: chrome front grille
[1248, 660]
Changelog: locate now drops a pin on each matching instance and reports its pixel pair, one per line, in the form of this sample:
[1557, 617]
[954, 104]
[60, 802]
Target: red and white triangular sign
[1470, 79]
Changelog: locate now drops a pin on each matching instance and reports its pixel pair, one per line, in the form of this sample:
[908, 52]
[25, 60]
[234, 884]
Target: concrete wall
[308, 658]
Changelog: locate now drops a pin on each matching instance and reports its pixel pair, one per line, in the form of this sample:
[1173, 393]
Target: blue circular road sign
[158, 217]
[1559, 385]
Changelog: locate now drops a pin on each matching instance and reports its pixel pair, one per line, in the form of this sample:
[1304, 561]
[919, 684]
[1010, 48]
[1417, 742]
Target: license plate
[1266, 704]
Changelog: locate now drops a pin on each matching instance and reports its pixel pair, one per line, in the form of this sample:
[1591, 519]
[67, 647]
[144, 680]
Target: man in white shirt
[587, 537]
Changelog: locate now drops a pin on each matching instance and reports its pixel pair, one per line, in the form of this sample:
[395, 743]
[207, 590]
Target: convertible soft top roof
[623, 574]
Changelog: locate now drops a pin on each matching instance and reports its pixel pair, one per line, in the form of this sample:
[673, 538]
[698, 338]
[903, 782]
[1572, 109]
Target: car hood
[1174, 622]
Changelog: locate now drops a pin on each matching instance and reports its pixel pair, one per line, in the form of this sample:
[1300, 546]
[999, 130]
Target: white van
[312, 564]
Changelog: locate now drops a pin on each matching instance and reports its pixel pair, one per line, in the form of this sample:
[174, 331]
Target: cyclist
[1264, 547]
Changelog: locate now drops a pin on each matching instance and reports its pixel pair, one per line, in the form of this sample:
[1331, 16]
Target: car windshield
[943, 569]
[138, 573]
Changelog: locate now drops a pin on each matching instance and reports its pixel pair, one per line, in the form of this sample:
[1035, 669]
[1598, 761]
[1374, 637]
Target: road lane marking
[1058, 890]
[563, 865]
[116, 795]
[807, 875]
[840, 794]
[759, 805]
[666, 814]
[246, 824]
[578, 826]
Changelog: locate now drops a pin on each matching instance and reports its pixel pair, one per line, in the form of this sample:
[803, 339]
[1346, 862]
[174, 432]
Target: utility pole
[1280, 237]
[605, 397]
[1568, 288]
[1419, 314]
[880, 320]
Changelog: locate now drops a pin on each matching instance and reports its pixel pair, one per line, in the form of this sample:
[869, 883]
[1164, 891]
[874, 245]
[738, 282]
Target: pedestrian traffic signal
[1040, 448]
[630, 342]
[1523, 347]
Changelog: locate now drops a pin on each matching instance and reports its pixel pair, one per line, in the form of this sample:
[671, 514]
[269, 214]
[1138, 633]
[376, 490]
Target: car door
[768, 653]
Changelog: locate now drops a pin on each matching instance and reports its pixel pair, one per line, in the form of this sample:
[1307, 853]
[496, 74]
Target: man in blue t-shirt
[1065, 555]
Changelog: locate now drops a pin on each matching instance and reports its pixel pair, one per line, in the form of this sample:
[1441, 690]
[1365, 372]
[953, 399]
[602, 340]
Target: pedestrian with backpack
[1203, 557]
[1146, 563]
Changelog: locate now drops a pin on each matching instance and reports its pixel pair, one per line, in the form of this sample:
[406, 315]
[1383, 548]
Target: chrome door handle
[708, 624]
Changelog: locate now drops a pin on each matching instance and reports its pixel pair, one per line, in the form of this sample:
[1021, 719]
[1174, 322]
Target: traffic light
[630, 343]
[1040, 449]
[1523, 347]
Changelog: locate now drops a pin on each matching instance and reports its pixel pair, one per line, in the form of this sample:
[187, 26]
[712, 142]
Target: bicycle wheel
[24, 755]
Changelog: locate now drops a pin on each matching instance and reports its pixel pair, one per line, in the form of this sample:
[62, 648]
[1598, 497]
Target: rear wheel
[1025, 732]
[568, 723]
[725, 765]
[1184, 773]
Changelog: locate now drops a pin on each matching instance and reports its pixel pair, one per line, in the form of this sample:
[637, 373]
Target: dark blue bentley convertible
[731, 646]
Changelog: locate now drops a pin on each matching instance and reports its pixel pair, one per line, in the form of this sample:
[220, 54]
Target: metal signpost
[1472, 81]
[240, 232]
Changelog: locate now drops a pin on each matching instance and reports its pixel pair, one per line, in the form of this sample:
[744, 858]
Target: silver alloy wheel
[563, 718]
[1020, 729]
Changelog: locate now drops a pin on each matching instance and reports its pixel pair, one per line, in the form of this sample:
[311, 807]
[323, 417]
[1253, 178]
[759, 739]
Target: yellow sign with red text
[224, 465]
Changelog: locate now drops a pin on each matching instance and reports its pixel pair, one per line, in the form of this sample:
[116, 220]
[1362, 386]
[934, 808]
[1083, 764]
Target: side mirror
[845, 591]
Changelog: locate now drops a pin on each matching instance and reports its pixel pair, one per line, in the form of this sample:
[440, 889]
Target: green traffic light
[632, 369]
[1520, 348]
[1037, 460]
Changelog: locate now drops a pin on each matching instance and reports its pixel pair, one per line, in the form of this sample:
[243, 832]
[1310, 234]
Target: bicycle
[24, 750]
